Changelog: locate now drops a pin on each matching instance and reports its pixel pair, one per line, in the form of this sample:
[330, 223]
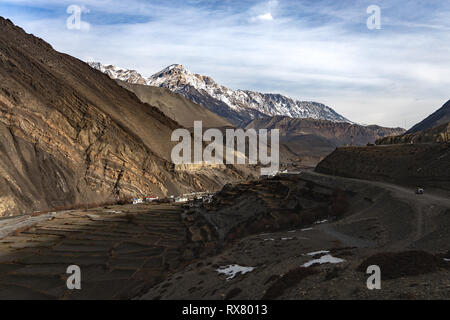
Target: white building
[151, 199]
[181, 199]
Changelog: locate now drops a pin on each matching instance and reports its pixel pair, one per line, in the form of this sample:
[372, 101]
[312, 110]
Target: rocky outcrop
[71, 135]
[265, 205]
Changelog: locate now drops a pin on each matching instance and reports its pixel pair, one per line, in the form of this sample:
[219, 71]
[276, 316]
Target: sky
[394, 73]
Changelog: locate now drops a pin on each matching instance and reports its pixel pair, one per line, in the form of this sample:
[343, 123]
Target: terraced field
[120, 250]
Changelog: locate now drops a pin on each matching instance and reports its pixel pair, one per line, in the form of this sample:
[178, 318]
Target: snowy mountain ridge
[243, 105]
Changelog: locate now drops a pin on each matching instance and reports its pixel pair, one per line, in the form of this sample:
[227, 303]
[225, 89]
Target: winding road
[423, 207]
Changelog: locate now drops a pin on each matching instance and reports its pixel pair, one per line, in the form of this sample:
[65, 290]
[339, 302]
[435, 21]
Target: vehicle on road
[420, 190]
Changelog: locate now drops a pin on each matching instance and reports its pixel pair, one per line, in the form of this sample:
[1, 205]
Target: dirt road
[423, 208]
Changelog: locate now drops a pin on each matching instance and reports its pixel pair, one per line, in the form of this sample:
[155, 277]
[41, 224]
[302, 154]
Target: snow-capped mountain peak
[131, 76]
[238, 106]
[177, 75]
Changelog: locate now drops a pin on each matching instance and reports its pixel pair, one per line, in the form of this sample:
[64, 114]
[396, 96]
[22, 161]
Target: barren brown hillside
[71, 135]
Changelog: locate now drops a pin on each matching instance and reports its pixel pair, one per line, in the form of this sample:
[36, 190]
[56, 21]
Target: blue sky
[319, 50]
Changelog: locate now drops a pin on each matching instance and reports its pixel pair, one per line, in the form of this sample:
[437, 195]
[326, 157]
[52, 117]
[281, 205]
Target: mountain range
[312, 139]
[309, 131]
[237, 106]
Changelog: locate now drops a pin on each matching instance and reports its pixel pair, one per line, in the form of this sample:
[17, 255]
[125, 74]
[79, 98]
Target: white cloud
[387, 77]
[263, 17]
[263, 11]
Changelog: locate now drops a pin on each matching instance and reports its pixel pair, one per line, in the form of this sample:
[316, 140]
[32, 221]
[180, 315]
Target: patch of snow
[448, 260]
[269, 239]
[320, 222]
[315, 253]
[324, 259]
[232, 270]
[288, 238]
[307, 229]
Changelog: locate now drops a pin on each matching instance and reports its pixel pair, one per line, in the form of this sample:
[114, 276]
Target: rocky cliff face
[237, 106]
[71, 135]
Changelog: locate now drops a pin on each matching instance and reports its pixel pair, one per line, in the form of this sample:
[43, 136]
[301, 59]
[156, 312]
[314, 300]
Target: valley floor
[128, 252]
